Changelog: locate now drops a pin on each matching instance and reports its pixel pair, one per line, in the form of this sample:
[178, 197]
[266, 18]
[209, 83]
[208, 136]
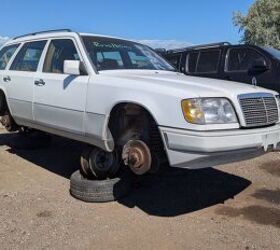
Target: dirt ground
[236, 206]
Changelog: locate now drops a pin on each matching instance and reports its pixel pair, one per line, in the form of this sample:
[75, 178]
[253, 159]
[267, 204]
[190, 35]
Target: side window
[241, 59]
[28, 57]
[175, 60]
[208, 61]
[59, 51]
[191, 62]
[5, 55]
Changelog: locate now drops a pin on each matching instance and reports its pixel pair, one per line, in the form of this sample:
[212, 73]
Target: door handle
[39, 82]
[6, 78]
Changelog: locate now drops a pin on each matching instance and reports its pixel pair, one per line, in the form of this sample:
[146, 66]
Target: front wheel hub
[136, 154]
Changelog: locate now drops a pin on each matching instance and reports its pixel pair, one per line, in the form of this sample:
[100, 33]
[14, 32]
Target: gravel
[230, 207]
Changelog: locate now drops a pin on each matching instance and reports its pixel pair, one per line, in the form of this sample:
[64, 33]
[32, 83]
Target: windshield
[112, 54]
[274, 52]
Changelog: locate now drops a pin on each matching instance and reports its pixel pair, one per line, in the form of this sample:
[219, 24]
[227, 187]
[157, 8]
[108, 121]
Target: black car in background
[242, 63]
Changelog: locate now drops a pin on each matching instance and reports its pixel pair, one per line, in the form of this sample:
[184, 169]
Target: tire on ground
[100, 190]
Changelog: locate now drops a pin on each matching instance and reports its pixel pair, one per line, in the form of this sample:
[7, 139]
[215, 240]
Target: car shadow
[171, 192]
[60, 156]
[174, 191]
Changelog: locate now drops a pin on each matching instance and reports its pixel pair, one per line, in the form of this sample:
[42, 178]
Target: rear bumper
[195, 149]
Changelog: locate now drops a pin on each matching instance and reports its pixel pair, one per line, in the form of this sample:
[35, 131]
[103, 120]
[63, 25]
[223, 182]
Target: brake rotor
[136, 154]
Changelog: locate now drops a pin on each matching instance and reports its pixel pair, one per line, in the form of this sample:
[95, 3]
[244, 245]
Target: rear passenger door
[19, 79]
[60, 99]
[239, 60]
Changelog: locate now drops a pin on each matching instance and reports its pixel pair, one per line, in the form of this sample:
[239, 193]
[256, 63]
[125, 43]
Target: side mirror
[72, 67]
[258, 68]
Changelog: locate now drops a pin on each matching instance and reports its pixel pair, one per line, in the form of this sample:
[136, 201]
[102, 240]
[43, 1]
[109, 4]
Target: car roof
[56, 34]
[207, 46]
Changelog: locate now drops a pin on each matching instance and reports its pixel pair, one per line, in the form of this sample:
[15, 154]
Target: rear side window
[191, 62]
[59, 51]
[241, 59]
[28, 57]
[208, 61]
[5, 55]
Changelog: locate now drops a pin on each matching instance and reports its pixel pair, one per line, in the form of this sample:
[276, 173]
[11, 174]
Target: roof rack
[43, 32]
[202, 46]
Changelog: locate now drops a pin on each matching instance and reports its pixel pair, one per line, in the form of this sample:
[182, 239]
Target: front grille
[259, 109]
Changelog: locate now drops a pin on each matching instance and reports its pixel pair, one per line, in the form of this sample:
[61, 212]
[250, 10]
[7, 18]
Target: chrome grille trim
[259, 109]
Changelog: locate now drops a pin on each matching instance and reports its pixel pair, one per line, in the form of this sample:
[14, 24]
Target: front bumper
[195, 149]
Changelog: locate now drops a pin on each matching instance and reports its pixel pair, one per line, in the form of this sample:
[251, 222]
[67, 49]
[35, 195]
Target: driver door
[239, 61]
[60, 99]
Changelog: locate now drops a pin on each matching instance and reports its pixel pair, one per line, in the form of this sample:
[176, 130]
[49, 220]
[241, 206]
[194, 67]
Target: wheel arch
[137, 122]
[103, 132]
[130, 102]
[4, 94]
[2, 90]
[122, 111]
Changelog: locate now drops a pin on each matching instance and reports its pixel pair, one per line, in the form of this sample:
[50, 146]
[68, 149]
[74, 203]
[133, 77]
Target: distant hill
[166, 44]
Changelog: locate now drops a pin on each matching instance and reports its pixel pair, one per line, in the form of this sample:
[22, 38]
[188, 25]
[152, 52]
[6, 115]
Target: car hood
[180, 83]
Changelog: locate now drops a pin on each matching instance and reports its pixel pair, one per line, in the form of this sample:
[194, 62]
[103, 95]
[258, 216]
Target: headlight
[208, 111]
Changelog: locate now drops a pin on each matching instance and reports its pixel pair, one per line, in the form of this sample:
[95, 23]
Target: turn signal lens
[192, 111]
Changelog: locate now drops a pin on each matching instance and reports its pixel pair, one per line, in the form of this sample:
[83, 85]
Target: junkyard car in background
[240, 63]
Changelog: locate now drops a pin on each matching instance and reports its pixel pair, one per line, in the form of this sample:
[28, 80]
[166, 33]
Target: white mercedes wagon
[129, 105]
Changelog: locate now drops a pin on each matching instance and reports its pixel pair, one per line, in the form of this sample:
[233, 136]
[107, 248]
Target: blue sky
[166, 21]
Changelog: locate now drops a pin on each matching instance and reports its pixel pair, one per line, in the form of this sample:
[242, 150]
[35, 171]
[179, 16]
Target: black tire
[99, 190]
